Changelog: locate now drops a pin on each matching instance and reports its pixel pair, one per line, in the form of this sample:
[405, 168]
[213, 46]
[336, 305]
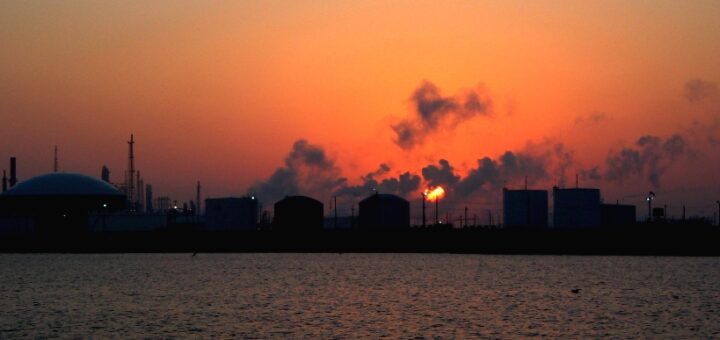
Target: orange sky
[219, 90]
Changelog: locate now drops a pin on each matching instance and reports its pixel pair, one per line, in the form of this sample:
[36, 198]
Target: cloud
[592, 174]
[307, 171]
[442, 174]
[402, 185]
[650, 158]
[697, 90]
[536, 162]
[592, 118]
[433, 111]
[492, 174]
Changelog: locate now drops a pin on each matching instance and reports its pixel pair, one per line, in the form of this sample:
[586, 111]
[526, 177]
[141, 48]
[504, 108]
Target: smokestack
[105, 174]
[55, 165]
[130, 175]
[138, 195]
[197, 198]
[4, 182]
[149, 198]
[141, 193]
[466, 210]
[13, 172]
[577, 181]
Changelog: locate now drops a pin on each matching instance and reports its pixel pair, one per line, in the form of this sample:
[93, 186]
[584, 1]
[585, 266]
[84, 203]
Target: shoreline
[639, 241]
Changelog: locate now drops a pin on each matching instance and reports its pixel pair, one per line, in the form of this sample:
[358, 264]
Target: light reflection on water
[357, 295]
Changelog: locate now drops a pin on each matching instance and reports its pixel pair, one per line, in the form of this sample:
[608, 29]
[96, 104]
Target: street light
[650, 197]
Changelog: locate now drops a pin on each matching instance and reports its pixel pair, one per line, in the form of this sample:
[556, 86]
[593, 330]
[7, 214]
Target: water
[357, 295]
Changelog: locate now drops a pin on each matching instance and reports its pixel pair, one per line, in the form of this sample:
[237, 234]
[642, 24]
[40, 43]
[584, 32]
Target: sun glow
[434, 193]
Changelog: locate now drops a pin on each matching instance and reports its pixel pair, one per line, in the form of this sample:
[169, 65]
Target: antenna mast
[55, 165]
[130, 185]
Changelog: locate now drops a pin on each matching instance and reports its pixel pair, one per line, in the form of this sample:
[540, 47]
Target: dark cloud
[564, 159]
[307, 171]
[490, 175]
[486, 174]
[402, 185]
[592, 174]
[510, 167]
[697, 90]
[433, 110]
[442, 174]
[592, 118]
[650, 158]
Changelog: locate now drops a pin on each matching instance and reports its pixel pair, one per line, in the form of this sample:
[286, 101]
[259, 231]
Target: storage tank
[576, 208]
[525, 208]
[384, 211]
[61, 201]
[231, 213]
[617, 215]
[298, 213]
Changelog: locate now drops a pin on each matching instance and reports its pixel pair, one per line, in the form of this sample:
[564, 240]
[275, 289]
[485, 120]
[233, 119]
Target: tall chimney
[105, 174]
[13, 172]
[148, 198]
[197, 198]
[55, 164]
[130, 175]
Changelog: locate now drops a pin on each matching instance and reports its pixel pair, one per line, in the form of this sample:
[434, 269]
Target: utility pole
[683, 217]
[335, 205]
[718, 203]
[437, 204]
[650, 197]
[424, 197]
[465, 224]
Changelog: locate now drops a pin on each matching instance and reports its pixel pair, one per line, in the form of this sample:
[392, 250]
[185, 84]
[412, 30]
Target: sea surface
[357, 296]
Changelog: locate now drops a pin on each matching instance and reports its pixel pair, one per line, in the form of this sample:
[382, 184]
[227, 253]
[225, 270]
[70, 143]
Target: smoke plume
[697, 90]
[536, 163]
[433, 111]
[650, 158]
[402, 185]
[442, 174]
[592, 118]
[307, 170]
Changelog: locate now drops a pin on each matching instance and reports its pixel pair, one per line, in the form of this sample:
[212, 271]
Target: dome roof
[299, 199]
[62, 184]
[384, 197]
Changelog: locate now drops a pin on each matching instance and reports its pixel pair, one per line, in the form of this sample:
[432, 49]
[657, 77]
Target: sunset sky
[220, 91]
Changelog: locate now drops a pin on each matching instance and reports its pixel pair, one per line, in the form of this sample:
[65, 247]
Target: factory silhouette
[75, 212]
